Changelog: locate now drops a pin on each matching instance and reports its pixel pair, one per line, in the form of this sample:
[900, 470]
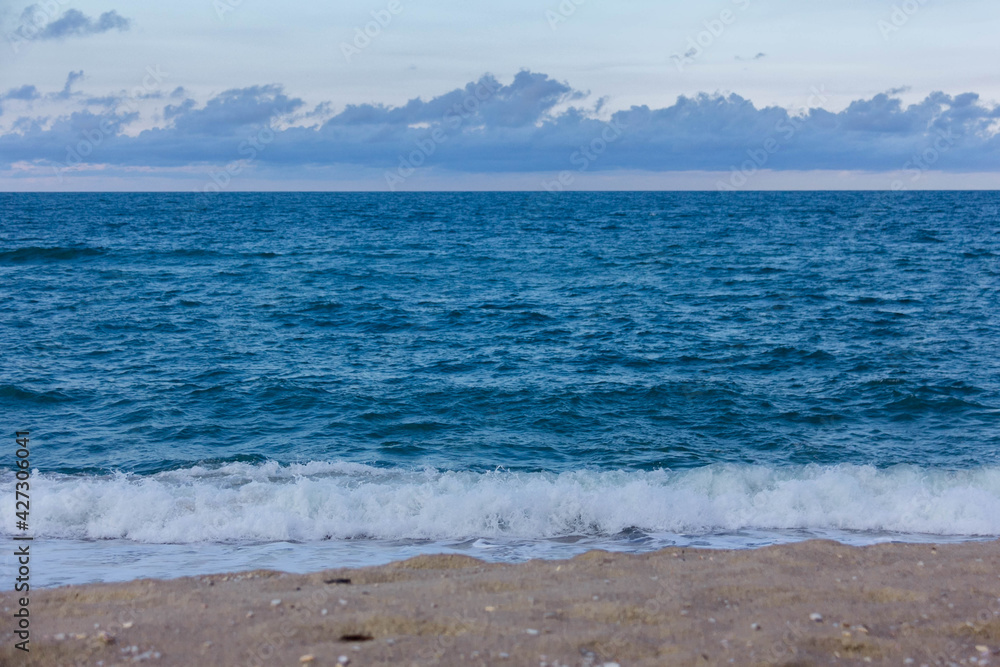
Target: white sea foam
[268, 502]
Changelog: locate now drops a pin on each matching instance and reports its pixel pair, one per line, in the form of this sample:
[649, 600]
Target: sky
[217, 95]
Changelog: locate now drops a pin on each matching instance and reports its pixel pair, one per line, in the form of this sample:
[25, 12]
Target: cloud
[26, 93]
[523, 102]
[67, 90]
[29, 93]
[232, 111]
[73, 23]
[529, 125]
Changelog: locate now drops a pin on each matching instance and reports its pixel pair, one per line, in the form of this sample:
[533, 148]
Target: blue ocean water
[309, 380]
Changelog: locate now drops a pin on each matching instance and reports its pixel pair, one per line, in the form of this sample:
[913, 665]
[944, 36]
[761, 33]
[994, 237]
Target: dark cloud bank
[487, 127]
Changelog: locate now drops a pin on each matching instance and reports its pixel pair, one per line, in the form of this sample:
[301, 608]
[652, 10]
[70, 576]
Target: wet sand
[810, 603]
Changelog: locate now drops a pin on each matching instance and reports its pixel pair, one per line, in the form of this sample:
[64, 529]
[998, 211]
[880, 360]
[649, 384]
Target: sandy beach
[811, 603]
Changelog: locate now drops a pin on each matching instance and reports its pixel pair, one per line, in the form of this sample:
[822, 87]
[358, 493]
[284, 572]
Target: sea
[301, 381]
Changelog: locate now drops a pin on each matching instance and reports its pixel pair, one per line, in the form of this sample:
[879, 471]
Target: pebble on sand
[816, 617]
[307, 658]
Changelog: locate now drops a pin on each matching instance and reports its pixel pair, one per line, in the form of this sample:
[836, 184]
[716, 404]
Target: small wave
[322, 306]
[53, 254]
[915, 406]
[265, 501]
[15, 393]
